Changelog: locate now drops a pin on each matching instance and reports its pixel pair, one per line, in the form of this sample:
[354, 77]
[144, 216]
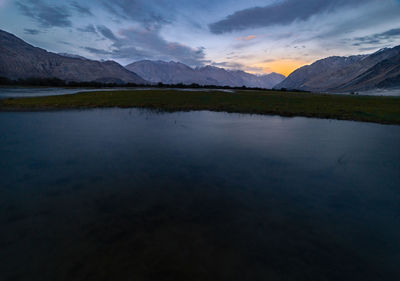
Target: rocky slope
[19, 60]
[335, 74]
[385, 74]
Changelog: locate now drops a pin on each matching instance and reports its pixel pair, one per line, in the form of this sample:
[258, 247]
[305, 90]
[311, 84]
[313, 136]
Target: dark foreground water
[123, 194]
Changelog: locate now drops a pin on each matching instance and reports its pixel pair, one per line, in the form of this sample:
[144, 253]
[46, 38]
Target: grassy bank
[361, 108]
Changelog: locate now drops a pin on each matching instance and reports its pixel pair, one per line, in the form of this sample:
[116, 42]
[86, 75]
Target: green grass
[361, 108]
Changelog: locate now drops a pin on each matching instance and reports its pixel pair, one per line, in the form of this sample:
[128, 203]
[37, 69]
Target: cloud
[229, 65]
[150, 13]
[65, 43]
[139, 43]
[367, 49]
[246, 38]
[107, 33]
[280, 13]
[89, 28]
[81, 9]
[269, 60]
[237, 66]
[46, 15]
[377, 38]
[97, 51]
[31, 31]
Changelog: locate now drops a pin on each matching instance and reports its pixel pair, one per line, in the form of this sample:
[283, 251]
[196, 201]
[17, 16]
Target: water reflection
[125, 194]
[20, 92]
[393, 92]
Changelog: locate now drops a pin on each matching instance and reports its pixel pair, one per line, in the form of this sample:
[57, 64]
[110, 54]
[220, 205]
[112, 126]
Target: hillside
[343, 73]
[20, 60]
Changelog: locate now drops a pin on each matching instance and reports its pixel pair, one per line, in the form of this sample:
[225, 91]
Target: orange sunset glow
[283, 66]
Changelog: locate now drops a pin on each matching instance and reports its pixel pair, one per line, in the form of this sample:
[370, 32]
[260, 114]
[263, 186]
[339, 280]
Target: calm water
[393, 92]
[382, 92]
[119, 194]
[19, 92]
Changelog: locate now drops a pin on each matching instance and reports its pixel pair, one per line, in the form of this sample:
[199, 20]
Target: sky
[252, 35]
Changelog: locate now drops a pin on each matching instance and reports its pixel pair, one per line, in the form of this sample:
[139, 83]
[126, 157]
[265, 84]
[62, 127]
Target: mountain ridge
[336, 74]
[176, 72]
[20, 60]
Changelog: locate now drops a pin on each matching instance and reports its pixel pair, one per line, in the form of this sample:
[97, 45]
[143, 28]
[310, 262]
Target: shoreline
[375, 109]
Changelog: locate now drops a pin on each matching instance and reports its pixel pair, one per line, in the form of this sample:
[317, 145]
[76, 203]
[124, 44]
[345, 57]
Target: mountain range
[20, 60]
[355, 73]
[176, 72]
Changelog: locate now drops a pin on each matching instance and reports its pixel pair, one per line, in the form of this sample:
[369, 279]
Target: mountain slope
[334, 73]
[319, 75]
[168, 72]
[384, 74]
[72, 56]
[18, 60]
[174, 73]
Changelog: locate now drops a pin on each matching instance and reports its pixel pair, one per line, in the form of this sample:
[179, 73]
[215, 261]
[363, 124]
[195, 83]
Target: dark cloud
[31, 31]
[139, 43]
[378, 38]
[107, 33]
[281, 13]
[89, 28]
[81, 9]
[150, 13]
[390, 33]
[65, 43]
[97, 51]
[152, 42]
[45, 14]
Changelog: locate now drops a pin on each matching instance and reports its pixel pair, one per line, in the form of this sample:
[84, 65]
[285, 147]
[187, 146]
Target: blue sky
[253, 35]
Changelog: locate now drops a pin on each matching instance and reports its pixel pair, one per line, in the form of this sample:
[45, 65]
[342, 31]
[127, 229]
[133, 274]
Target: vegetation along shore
[384, 110]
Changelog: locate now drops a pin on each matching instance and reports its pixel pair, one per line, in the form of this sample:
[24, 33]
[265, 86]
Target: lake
[21, 92]
[129, 194]
[392, 92]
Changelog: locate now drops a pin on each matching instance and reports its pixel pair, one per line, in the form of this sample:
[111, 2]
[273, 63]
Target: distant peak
[275, 74]
[209, 67]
